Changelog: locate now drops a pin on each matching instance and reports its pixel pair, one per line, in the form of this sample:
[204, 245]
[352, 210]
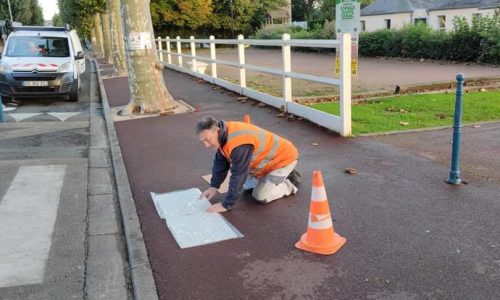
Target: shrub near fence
[478, 42]
[327, 31]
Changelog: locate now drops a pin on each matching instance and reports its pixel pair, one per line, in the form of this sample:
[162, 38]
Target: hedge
[478, 42]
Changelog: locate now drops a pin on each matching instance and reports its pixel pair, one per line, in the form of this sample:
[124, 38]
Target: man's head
[208, 131]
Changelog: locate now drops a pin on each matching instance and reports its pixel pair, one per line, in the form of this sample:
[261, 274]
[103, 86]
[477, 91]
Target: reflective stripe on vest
[271, 153]
[261, 136]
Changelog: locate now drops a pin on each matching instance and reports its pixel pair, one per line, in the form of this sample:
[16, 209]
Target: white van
[41, 61]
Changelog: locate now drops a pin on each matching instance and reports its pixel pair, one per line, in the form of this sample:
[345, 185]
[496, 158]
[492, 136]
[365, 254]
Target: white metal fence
[340, 124]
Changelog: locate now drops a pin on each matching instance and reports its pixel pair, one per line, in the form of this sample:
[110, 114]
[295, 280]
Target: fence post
[193, 54]
[213, 65]
[160, 50]
[241, 61]
[169, 56]
[345, 84]
[457, 132]
[179, 51]
[287, 67]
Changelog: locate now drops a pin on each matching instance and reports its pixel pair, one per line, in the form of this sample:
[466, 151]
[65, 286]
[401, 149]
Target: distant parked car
[41, 61]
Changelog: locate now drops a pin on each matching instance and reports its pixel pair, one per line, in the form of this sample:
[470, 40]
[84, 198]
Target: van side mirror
[79, 55]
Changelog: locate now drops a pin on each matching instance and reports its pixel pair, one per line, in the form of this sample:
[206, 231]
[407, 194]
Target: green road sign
[347, 16]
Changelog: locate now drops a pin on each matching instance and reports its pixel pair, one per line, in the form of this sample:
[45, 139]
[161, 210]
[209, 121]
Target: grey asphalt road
[60, 234]
[45, 133]
[409, 234]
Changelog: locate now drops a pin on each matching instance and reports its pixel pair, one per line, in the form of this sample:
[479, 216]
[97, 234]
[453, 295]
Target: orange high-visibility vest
[270, 152]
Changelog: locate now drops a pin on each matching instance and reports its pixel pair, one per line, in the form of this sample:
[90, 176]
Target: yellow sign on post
[354, 66]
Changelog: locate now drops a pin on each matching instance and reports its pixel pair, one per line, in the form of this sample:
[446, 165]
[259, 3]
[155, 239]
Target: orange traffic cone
[320, 236]
[247, 119]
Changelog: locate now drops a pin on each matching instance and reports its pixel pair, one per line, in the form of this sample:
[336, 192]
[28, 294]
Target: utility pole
[10, 11]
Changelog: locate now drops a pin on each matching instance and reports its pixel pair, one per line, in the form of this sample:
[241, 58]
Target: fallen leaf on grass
[403, 111]
[441, 115]
[351, 171]
[404, 123]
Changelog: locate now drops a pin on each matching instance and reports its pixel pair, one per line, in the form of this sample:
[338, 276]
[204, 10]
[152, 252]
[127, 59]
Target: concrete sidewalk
[409, 234]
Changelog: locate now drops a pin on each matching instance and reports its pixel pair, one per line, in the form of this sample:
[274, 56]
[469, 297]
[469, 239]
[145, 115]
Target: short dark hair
[206, 123]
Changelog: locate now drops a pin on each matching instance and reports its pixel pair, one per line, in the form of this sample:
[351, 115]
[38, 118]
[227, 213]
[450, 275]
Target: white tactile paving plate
[188, 221]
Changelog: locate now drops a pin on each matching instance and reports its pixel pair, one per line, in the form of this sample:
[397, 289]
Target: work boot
[295, 177]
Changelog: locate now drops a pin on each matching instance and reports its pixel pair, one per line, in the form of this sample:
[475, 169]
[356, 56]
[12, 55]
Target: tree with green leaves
[57, 20]
[222, 18]
[319, 10]
[37, 14]
[79, 13]
[181, 13]
[299, 10]
[27, 12]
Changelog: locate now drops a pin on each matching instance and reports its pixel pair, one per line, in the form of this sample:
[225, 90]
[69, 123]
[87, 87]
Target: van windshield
[35, 46]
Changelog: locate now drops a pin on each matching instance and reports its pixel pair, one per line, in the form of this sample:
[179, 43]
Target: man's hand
[216, 208]
[209, 193]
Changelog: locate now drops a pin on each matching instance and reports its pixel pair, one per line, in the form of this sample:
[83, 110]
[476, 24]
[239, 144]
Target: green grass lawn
[417, 111]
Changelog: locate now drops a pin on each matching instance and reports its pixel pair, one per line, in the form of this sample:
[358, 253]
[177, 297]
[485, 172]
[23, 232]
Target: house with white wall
[437, 14]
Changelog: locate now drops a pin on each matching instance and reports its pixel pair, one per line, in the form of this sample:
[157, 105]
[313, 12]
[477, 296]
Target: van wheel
[73, 97]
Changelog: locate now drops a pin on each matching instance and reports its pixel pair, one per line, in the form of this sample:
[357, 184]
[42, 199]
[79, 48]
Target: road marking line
[28, 213]
[63, 116]
[21, 116]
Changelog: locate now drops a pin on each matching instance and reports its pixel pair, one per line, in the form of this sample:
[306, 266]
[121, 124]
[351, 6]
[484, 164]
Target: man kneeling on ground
[248, 151]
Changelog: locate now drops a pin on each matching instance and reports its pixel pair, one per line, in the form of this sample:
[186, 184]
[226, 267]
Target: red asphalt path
[409, 235]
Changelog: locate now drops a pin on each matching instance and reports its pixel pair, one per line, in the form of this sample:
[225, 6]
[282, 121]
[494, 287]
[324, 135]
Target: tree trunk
[117, 41]
[107, 38]
[93, 41]
[99, 51]
[147, 88]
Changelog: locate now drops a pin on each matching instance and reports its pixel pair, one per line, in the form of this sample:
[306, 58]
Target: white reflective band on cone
[318, 194]
[323, 224]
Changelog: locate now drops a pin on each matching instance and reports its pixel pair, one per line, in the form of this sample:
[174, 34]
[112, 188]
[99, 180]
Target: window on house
[421, 21]
[387, 23]
[442, 22]
[363, 25]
